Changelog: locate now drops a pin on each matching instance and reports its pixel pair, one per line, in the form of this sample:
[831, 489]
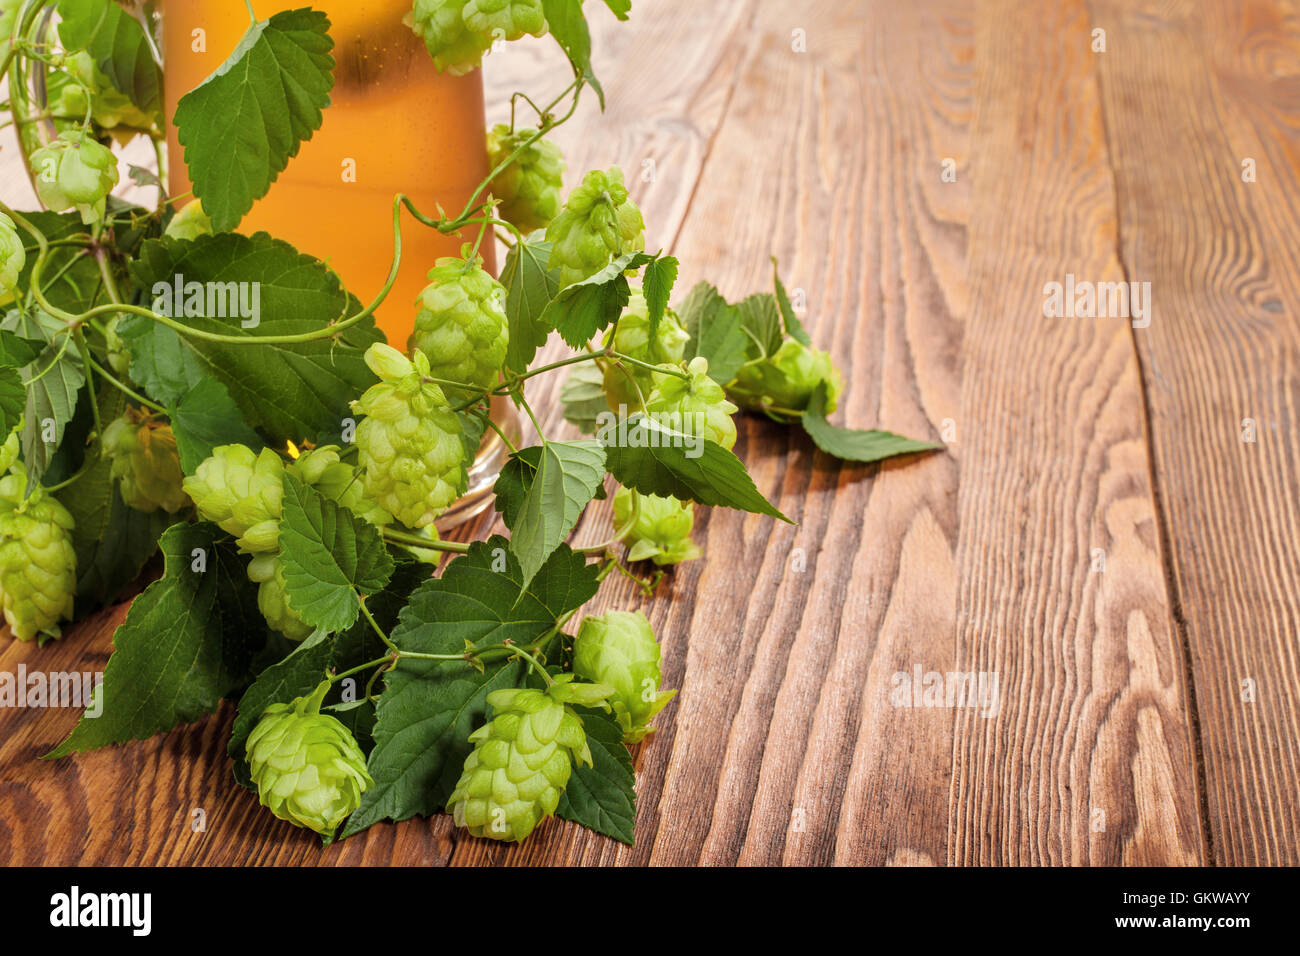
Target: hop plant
[242, 493]
[697, 402]
[461, 327]
[522, 758]
[455, 48]
[109, 106]
[787, 379]
[529, 187]
[627, 384]
[38, 565]
[75, 171]
[661, 531]
[619, 648]
[267, 571]
[145, 462]
[190, 222]
[597, 223]
[324, 470]
[307, 766]
[411, 451]
[505, 19]
[11, 448]
[12, 257]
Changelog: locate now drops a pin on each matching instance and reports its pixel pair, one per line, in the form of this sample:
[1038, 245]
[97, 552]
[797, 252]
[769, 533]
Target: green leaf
[656, 460]
[359, 643]
[793, 327]
[16, 352]
[328, 555]
[583, 396]
[530, 287]
[567, 23]
[602, 797]
[190, 639]
[584, 308]
[117, 43]
[429, 708]
[13, 400]
[53, 380]
[205, 417]
[854, 444]
[760, 320]
[660, 276]
[290, 392]
[556, 486]
[715, 331]
[620, 8]
[295, 676]
[241, 125]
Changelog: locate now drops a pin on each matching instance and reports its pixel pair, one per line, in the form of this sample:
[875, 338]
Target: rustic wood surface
[1098, 532]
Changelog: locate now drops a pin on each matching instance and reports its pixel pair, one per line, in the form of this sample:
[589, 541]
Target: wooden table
[1100, 534]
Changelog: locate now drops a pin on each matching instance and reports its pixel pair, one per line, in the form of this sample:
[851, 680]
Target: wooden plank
[1223, 346]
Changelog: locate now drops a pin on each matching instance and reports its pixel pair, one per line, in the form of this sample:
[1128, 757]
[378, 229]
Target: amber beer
[394, 125]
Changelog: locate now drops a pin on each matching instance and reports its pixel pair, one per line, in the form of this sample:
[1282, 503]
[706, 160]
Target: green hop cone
[694, 406]
[522, 759]
[598, 223]
[619, 649]
[145, 462]
[411, 449]
[662, 530]
[75, 171]
[119, 359]
[38, 565]
[461, 327]
[267, 571]
[787, 379]
[307, 766]
[455, 48]
[324, 470]
[12, 257]
[504, 19]
[242, 493]
[529, 187]
[109, 107]
[627, 384]
[190, 222]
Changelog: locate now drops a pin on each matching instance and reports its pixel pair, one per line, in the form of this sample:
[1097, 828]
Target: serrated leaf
[584, 308]
[854, 444]
[54, 382]
[660, 276]
[602, 797]
[328, 554]
[290, 392]
[429, 708]
[190, 639]
[715, 332]
[760, 320]
[117, 43]
[530, 287]
[295, 676]
[13, 400]
[241, 126]
[205, 417]
[16, 352]
[567, 23]
[557, 486]
[653, 459]
[583, 396]
[793, 327]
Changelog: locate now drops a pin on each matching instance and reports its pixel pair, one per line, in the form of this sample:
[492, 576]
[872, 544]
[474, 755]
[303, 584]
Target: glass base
[483, 474]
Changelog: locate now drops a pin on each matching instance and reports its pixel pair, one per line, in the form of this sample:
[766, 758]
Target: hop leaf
[598, 223]
[12, 257]
[529, 187]
[619, 649]
[697, 402]
[307, 767]
[787, 379]
[145, 462]
[38, 564]
[662, 530]
[75, 171]
[242, 493]
[461, 326]
[627, 384]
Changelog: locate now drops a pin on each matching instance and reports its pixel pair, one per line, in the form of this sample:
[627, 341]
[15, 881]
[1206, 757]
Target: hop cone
[337, 480]
[38, 566]
[12, 257]
[242, 493]
[412, 453]
[190, 222]
[522, 759]
[598, 223]
[307, 766]
[267, 571]
[504, 19]
[628, 384]
[662, 531]
[75, 171]
[461, 326]
[787, 379]
[694, 406]
[455, 48]
[109, 107]
[145, 461]
[619, 649]
[529, 188]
